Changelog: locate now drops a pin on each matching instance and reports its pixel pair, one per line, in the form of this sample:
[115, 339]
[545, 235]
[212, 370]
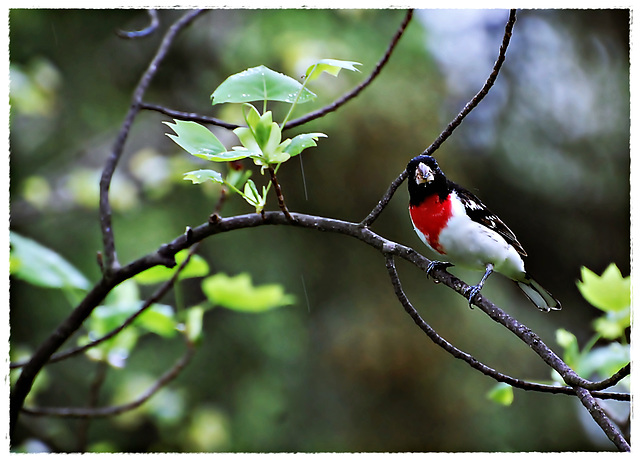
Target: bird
[454, 223]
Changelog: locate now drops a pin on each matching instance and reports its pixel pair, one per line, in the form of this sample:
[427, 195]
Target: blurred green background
[344, 369]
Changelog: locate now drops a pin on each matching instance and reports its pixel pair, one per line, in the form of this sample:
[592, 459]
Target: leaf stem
[295, 101]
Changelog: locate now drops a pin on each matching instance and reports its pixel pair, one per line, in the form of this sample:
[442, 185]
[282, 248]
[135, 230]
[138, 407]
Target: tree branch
[167, 251]
[115, 410]
[110, 260]
[508, 30]
[154, 298]
[483, 91]
[459, 354]
[189, 116]
[150, 29]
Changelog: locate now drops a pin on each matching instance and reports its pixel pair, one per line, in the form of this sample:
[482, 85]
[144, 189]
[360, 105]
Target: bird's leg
[475, 290]
[437, 265]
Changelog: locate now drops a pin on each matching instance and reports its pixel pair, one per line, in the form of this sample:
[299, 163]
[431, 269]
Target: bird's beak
[424, 174]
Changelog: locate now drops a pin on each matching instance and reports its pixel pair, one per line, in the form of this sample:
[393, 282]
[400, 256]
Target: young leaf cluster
[611, 294]
[261, 139]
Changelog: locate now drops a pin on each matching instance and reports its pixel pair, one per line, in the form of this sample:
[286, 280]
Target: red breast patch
[430, 218]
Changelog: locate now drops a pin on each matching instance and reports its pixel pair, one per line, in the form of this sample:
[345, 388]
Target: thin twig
[115, 410]
[188, 116]
[483, 91]
[358, 89]
[154, 298]
[368, 221]
[278, 191]
[377, 210]
[110, 260]
[611, 381]
[150, 29]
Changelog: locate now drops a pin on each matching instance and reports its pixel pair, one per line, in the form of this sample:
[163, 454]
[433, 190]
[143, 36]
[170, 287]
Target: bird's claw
[471, 293]
[437, 265]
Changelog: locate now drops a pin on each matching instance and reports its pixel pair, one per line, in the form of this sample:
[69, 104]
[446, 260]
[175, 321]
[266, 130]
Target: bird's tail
[538, 295]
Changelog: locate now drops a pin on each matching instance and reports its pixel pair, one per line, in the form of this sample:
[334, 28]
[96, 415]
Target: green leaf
[501, 393]
[612, 325]
[252, 196]
[193, 323]
[238, 293]
[198, 141]
[158, 319]
[609, 292]
[260, 84]
[605, 361]
[237, 178]
[200, 176]
[41, 266]
[301, 142]
[569, 342]
[197, 267]
[262, 129]
[330, 66]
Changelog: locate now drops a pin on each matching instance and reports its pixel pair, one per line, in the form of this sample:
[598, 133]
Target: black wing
[479, 213]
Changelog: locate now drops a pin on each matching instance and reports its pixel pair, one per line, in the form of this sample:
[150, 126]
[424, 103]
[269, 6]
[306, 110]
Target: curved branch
[110, 261]
[115, 410]
[611, 381]
[473, 362]
[380, 206]
[483, 91]
[154, 298]
[356, 91]
[150, 29]
[454, 123]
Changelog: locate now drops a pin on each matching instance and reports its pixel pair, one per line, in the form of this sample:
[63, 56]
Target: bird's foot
[437, 265]
[471, 293]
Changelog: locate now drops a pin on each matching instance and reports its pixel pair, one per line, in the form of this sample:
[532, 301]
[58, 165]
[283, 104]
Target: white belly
[470, 244]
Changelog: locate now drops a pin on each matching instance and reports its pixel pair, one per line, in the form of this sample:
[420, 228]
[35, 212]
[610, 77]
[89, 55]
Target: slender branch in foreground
[380, 206]
[110, 261]
[278, 190]
[188, 116]
[114, 410]
[611, 381]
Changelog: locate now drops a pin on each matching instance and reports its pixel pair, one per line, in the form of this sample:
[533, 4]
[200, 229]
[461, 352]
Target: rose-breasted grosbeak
[453, 222]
